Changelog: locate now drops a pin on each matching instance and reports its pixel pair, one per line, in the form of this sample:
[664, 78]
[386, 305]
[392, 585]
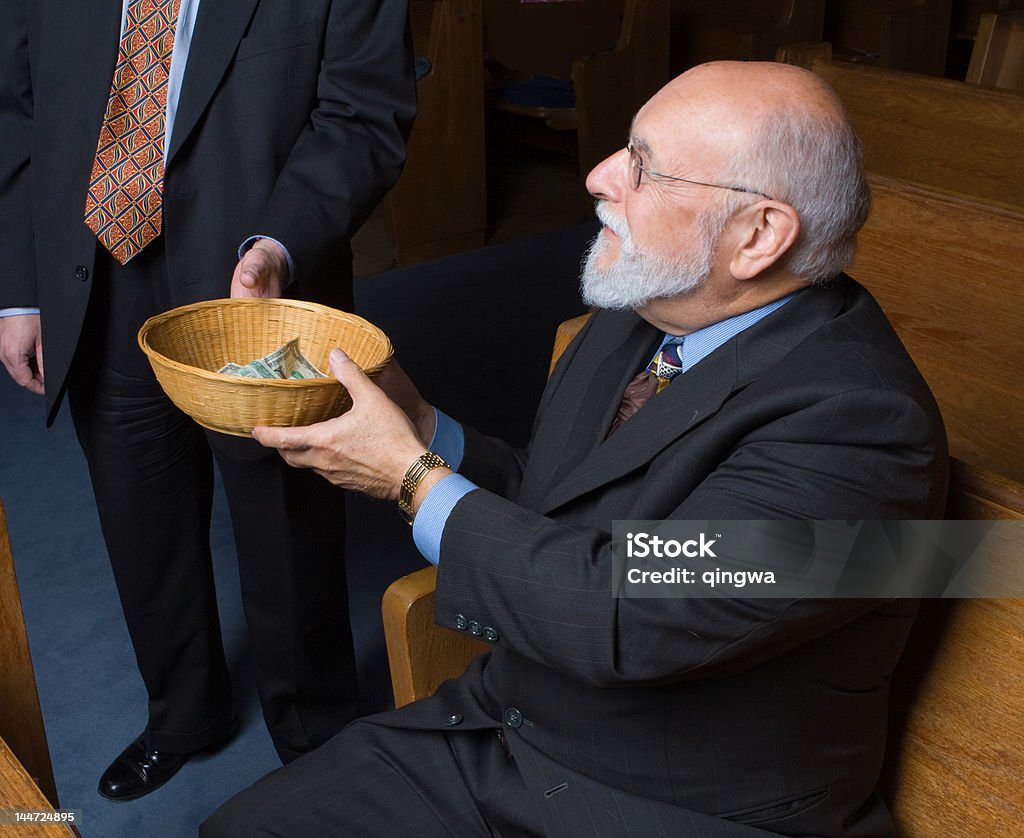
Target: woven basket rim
[211, 375]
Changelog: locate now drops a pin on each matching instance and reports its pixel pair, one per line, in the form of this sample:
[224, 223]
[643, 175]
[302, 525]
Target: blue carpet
[506, 300]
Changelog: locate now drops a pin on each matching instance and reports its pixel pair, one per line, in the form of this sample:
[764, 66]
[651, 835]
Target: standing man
[733, 373]
[154, 153]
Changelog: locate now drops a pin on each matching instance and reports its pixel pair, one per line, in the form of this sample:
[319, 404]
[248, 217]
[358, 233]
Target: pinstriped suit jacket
[692, 716]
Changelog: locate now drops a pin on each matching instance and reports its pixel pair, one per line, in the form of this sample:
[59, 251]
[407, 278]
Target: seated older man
[732, 373]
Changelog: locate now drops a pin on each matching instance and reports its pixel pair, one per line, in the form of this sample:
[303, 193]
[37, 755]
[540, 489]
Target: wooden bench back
[947, 270]
[910, 35]
[998, 55]
[439, 205]
[21, 719]
[940, 133]
[741, 30]
[956, 747]
[546, 38]
[612, 86]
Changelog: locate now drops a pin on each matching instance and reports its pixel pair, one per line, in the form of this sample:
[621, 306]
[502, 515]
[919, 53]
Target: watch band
[420, 468]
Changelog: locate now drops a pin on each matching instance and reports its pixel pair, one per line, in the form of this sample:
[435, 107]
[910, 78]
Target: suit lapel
[219, 27]
[691, 399]
[75, 83]
[91, 71]
[585, 400]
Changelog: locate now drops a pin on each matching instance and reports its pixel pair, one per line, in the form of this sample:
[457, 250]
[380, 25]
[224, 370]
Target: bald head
[756, 85]
[776, 129]
[730, 98]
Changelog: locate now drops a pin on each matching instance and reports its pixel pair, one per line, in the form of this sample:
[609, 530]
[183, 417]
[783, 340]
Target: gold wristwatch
[420, 468]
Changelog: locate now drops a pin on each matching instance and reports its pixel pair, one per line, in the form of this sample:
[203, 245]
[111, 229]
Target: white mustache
[616, 224]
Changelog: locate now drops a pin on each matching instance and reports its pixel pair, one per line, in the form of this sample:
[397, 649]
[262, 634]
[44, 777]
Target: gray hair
[814, 163]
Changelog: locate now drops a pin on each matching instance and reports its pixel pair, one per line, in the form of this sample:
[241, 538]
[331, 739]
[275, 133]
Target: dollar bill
[284, 362]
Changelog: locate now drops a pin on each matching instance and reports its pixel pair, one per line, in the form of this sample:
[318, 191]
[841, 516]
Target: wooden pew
[945, 134]
[945, 266]
[955, 762]
[18, 791]
[439, 205]
[751, 30]
[612, 86]
[421, 654]
[546, 38]
[998, 55]
[566, 40]
[909, 35]
[26, 775]
[946, 270]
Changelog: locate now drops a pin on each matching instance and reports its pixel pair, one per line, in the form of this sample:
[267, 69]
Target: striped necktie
[665, 366]
[123, 205]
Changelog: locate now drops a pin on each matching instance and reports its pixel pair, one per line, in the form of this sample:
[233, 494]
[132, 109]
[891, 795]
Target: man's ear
[767, 230]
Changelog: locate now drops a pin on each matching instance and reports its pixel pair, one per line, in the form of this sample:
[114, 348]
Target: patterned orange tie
[123, 203]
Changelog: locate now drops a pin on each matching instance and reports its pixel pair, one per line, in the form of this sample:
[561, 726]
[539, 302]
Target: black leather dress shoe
[138, 771]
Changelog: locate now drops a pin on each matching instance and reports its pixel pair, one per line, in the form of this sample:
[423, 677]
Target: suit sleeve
[352, 150]
[17, 286]
[492, 464]
[545, 585]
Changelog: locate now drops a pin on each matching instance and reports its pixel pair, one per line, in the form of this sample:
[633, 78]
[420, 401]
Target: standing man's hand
[261, 272]
[21, 350]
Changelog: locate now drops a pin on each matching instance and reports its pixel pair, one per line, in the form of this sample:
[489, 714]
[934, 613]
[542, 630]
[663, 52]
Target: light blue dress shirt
[187, 11]
[449, 441]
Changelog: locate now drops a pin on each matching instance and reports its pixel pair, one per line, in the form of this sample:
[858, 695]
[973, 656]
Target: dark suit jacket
[691, 716]
[290, 124]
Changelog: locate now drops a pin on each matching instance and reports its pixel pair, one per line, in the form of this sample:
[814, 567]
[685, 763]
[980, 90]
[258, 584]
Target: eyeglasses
[637, 164]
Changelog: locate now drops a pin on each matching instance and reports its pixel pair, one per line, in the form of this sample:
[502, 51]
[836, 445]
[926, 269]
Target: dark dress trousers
[290, 124]
[653, 717]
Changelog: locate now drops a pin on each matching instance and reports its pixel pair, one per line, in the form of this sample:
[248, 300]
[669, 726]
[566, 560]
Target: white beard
[635, 278]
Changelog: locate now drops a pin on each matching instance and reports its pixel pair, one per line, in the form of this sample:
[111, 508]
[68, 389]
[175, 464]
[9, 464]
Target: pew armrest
[421, 653]
[18, 791]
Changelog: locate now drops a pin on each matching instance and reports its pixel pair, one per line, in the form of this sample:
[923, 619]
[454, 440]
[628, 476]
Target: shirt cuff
[11, 312]
[449, 440]
[249, 242]
[428, 526]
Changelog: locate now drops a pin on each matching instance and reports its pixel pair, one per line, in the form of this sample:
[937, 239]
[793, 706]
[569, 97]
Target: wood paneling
[941, 133]
[946, 270]
[21, 719]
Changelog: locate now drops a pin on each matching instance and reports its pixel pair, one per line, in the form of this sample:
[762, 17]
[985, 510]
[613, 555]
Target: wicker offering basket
[186, 346]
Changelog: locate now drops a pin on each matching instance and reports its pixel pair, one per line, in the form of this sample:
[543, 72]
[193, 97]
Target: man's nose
[607, 179]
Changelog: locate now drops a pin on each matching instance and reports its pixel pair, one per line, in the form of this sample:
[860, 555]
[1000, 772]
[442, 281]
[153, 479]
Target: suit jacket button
[513, 718]
[490, 635]
[81, 273]
[460, 622]
[475, 628]
[454, 719]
